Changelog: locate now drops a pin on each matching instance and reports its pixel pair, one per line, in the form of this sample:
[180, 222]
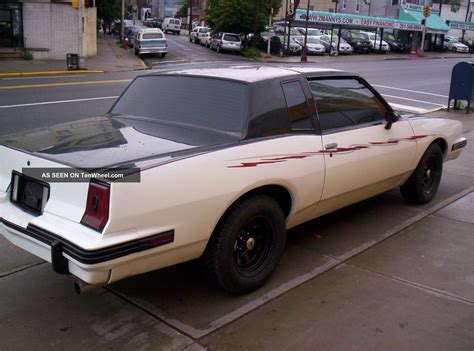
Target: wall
[89, 38]
[50, 30]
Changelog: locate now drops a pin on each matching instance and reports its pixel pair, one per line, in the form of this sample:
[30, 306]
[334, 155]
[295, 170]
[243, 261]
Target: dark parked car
[469, 42]
[357, 41]
[395, 44]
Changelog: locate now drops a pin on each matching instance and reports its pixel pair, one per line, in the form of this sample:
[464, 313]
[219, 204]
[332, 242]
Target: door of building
[6, 29]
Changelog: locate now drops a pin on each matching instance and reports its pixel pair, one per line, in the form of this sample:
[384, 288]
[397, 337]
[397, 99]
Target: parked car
[229, 42]
[344, 47]
[150, 41]
[196, 34]
[205, 39]
[452, 44]
[312, 32]
[358, 41]
[130, 34]
[314, 46]
[260, 150]
[172, 25]
[395, 44]
[375, 40]
[468, 42]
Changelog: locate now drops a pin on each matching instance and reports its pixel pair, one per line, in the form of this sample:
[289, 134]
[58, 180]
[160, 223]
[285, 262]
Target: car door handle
[330, 146]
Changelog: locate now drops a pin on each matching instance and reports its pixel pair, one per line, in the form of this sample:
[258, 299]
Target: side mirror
[391, 117]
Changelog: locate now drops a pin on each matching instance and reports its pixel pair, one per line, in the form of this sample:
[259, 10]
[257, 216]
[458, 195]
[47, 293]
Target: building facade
[314, 5]
[47, 29]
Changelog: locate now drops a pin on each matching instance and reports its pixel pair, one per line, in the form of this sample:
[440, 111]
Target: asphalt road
[391, 271]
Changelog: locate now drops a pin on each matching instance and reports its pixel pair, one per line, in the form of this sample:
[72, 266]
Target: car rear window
[152, 36]
[231, 37]
[216, 104]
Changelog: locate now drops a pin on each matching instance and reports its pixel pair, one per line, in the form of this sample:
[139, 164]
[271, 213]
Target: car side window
[297, 104]
[343, 103]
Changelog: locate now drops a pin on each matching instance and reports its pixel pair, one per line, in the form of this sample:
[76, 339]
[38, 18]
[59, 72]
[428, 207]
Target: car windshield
[453, 40]
[313, 40]
[152, 36]
[390, 36]
[313, 32]
[214, 104]
[358, 36]
[205, 30]
[231, 37]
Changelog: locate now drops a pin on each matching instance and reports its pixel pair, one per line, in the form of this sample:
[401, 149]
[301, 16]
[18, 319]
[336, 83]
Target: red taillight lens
[97, 207]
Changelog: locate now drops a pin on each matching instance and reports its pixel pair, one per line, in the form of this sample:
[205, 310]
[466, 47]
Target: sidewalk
[365, 58]
[110, 58]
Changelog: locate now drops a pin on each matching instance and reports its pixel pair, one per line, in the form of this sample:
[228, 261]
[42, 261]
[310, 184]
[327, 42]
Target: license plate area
[29, 193]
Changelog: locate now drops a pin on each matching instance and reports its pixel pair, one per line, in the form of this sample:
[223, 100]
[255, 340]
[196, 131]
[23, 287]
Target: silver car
[226, 42]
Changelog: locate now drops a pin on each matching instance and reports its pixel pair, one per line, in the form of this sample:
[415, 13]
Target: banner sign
[461, 25]
[414, 7]
[361, 21]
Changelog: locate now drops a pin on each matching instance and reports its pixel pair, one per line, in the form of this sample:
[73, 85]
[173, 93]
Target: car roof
[151, 30]
[253, 73]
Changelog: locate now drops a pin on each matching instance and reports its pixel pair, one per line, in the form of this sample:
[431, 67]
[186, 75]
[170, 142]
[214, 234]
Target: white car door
[362, 157]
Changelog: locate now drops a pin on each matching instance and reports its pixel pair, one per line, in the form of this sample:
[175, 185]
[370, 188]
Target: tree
[239, 16]
[108, 10]
[183, 11]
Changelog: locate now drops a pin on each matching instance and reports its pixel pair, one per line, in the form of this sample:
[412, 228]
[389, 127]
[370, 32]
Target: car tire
[423, 183]
[190, 40]
[218, 49]
[247, 245]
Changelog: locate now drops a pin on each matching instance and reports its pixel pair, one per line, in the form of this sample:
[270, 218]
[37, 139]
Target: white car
[375, 40]
[150, 41]
[344, 46]
[196, 34]
[172, 25]
[453, 44]
[205, 39]
[314, 46]
[258, 151]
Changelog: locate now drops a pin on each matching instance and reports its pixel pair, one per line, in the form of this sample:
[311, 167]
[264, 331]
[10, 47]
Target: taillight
[97, 206]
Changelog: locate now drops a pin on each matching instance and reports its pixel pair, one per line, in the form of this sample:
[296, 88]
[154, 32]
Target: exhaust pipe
[81, 287]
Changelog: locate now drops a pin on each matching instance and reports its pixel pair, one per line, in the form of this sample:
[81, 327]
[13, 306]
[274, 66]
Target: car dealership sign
[461, 25]
[351, 20]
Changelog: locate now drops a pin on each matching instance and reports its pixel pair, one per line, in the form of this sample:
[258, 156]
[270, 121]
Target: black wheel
[423, 184]
[190, 40]
[246, 245]
[218, 49]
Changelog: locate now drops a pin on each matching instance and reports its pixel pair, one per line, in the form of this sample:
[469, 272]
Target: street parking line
[414, 100]
[408, 90]
[65, 84]
[59, 102]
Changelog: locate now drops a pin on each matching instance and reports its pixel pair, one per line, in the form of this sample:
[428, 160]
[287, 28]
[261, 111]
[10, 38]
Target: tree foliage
[183, 11]
[108, 10]
[239, 16]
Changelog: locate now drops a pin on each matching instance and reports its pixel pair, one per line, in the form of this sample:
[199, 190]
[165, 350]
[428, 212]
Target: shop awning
[434, 23]
[355, 21]
[460, 25]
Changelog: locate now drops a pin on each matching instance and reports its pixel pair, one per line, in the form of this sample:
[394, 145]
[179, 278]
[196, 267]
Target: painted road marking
[408, 108]
[45, 77]
[65, 84]
[414, 100]
[410, 91]
[59, 102]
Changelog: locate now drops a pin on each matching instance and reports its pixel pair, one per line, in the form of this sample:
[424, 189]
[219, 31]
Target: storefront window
[10, 25]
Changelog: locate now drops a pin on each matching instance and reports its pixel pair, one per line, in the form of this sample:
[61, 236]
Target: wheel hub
[250, 244]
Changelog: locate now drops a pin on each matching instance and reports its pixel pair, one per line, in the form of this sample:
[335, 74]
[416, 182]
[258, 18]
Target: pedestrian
[104, 27]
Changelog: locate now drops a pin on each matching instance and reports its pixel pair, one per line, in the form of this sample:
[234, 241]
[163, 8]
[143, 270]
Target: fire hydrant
[125, 43]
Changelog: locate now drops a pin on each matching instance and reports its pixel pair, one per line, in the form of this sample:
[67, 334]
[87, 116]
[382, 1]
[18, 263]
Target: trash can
[462, 84]
[72, 61]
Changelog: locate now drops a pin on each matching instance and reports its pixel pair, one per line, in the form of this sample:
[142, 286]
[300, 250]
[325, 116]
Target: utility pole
[269, 26]
[304, 53]
[284, 30]
[122, 19]
[190, 25]
[254, 36]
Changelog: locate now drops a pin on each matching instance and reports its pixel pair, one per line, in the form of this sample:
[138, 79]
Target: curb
[26, 74]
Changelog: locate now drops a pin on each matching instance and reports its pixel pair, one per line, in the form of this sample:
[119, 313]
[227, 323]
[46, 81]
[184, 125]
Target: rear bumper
[157, 50]
[91, 266]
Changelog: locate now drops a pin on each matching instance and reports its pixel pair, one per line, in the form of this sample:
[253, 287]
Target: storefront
[10, 25]
[341, 21]
[436, 27]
